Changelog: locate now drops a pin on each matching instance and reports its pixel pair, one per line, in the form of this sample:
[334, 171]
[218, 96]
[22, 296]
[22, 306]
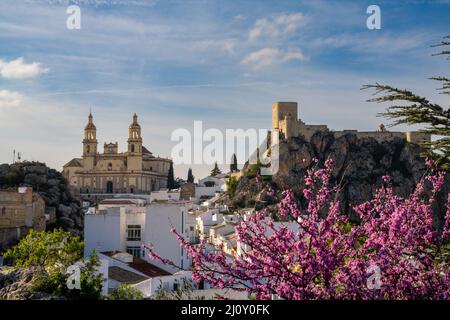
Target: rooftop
[124, 276]
[123, 201]
[140, 265]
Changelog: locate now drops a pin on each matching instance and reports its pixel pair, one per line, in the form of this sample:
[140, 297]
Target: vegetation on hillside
[52, 255]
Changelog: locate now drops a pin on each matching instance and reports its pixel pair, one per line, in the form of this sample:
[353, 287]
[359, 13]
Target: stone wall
[21, 208]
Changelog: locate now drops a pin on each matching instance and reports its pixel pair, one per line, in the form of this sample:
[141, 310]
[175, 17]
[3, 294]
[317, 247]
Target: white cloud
[277, 26]
[294, 55]
[386, 43]
[18, 69]
[9, 99]
[225, 45]
[271, 56]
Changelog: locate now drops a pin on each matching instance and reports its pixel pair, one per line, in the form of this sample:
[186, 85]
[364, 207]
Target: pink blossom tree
[392, 254]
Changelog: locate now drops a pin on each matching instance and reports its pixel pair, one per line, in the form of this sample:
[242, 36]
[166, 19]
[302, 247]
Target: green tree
[414, 109]
[171, 178]
[215, 171]
[190, 176]
[231, 186]
[56, 249]
[125, 292]
[56, 282]
[51, 253]
[233, 165]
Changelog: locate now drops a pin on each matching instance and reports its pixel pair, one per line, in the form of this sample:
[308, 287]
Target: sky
[174, 62]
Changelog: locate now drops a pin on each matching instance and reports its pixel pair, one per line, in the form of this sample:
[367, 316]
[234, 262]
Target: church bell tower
[134, 161]
[90, 143]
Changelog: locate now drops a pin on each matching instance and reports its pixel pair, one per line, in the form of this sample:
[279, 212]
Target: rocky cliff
[52, 187]
[18, 285]
[359, 166]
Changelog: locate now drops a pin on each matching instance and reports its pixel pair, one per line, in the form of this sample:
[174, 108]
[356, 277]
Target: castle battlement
[285, 119]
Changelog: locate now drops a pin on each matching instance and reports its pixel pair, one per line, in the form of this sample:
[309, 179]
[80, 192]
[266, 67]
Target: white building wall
[161, 217]
[135, 218]
[206, 191]
[105, 231]
[165, 195]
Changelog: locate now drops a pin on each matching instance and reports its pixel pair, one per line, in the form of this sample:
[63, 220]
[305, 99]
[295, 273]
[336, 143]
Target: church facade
[135, 171]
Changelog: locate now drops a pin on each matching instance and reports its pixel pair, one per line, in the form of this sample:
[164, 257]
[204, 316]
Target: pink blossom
[328, 257]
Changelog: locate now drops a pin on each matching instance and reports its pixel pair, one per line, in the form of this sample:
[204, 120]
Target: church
[135, 171]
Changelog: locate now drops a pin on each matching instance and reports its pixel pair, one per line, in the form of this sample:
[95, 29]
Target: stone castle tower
[285, 119]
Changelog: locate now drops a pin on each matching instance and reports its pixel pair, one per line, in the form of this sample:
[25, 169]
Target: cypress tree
[233, 165]
[171, 178]
[215, 171]
[190, 176]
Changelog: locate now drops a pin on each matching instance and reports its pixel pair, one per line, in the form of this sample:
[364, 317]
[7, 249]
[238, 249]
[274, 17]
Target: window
[109, 166]
[132, 148]
[135, 251]
[134, 233]
[109, 187]
[3, 211]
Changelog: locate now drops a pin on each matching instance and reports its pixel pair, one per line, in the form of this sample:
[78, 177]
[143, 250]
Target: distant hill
[52, 187]
[359, 165]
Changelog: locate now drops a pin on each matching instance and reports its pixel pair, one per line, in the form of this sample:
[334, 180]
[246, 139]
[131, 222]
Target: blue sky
[223, 62]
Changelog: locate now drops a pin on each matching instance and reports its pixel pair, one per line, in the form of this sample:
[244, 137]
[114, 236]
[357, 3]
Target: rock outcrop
[51, 186]
[16, 284]
[359, 165]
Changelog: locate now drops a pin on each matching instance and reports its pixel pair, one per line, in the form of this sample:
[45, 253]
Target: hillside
[359, 166]
[52, 187]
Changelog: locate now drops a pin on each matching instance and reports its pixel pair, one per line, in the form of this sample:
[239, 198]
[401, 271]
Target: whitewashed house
[125, 269]
[126, 225]
[165, 194]
[209, 187]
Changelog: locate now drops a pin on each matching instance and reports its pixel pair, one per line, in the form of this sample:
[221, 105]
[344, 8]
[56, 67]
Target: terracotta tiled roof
[142, 266]
[147, 268]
